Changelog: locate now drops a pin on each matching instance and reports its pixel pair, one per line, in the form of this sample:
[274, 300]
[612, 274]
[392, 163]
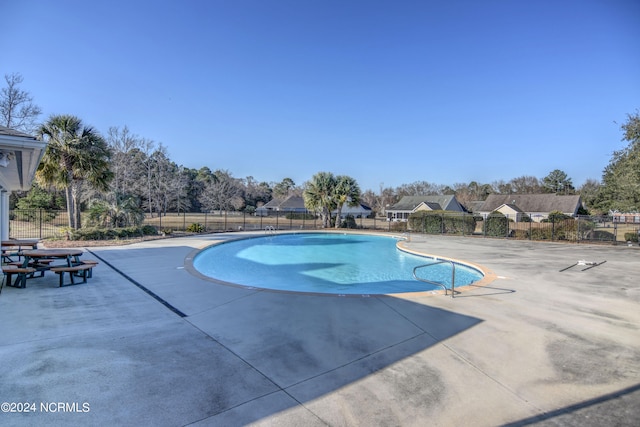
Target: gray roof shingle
[533, 202]
[409, 203]
[12, 132]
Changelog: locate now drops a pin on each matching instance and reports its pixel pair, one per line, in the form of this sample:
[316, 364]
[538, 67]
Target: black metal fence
[40, 223]
[37, 223]
[578, 229]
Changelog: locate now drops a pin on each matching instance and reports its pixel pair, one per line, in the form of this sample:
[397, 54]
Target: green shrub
[300, 215]
[149, 230]
[437, 222]
[585, 227]
[541, 233]
[608, 236]
[556, 216]
[100, 233]
[631, 237]
[560, 230]
[398, 226]
[521, 234]
[349, 222]
[196, 228]
[496, 225]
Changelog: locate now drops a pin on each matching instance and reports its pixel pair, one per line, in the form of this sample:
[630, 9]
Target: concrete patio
[147, 342]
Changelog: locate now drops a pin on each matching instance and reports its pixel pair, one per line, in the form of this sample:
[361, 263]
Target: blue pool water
[325, 263]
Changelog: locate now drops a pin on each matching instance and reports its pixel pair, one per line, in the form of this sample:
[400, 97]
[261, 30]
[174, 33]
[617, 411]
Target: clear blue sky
[384, 91]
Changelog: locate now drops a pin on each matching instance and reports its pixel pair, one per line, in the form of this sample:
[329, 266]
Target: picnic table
[14, 247]
[41, 260]
[31, 243]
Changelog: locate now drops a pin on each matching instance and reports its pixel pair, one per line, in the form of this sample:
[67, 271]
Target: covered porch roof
[20, 155]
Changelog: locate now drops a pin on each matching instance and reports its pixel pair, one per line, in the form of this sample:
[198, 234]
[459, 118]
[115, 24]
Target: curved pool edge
[488, 275]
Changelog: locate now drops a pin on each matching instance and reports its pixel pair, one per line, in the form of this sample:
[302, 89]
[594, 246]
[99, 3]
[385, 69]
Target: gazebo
[20, 155]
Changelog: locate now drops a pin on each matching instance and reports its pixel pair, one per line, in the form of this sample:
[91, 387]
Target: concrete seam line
[146, 290]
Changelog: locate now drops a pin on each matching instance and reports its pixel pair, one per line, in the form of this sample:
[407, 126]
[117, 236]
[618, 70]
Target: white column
[4, 215]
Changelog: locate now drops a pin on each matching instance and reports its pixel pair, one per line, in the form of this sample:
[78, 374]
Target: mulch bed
[50, 244]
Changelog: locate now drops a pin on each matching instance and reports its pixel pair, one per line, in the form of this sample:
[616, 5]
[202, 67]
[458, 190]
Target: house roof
[272, 204]
[513, 207]
[432, 205]
[12, 132]
[358, 209]
[21, 155]
[289, 203]
[533, 202]
[475, 205]
[292, 202]
[409, 203]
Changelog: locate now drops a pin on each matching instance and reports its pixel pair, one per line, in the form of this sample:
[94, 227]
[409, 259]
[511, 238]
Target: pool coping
[538, 346]
[488, 275]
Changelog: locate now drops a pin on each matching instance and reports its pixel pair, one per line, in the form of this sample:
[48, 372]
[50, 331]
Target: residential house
[625, 217]
[289, 204]
[410, 204]
[20, 155]
[295, 204]
[535, 206]
[358, 211]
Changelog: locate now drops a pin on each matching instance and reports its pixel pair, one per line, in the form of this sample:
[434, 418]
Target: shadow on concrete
[304, 346]
[609, 409]
[491, 290]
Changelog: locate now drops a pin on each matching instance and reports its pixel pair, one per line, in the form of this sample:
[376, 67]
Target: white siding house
[20, 155]
[410, 204]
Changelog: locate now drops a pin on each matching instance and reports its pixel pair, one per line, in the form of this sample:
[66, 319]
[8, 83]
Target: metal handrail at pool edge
[438, 261]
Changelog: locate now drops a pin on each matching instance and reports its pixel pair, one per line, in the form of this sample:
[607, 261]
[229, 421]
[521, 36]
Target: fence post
[40, 226]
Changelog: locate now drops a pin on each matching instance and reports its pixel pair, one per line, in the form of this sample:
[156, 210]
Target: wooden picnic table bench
[41, 260]
[82, 269]
[20, 272]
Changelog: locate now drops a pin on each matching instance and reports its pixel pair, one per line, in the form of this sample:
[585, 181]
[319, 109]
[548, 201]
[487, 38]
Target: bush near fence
[441, 222]
[43, 224]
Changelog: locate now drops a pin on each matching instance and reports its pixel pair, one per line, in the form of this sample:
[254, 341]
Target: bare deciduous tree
[225, 193]
[17, 110]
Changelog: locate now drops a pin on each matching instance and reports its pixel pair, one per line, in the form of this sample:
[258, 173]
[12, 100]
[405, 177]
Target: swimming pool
[328, 263]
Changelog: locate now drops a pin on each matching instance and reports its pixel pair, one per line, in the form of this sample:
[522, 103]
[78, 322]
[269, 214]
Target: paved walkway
[146, 342]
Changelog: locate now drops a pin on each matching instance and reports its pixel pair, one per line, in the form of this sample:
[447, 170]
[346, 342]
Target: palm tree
[75, 153]
[346, 191]
[117, 211]
[319, 195]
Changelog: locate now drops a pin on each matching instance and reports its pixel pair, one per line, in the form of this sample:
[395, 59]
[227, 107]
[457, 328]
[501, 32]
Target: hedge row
[112, 233]
[438, 222]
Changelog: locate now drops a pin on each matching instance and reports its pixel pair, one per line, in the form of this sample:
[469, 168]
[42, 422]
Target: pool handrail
[439, 261]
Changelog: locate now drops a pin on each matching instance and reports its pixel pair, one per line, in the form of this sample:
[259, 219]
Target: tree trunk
[75, 197]
[70, 211]
[326, 217]
[338, 215]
